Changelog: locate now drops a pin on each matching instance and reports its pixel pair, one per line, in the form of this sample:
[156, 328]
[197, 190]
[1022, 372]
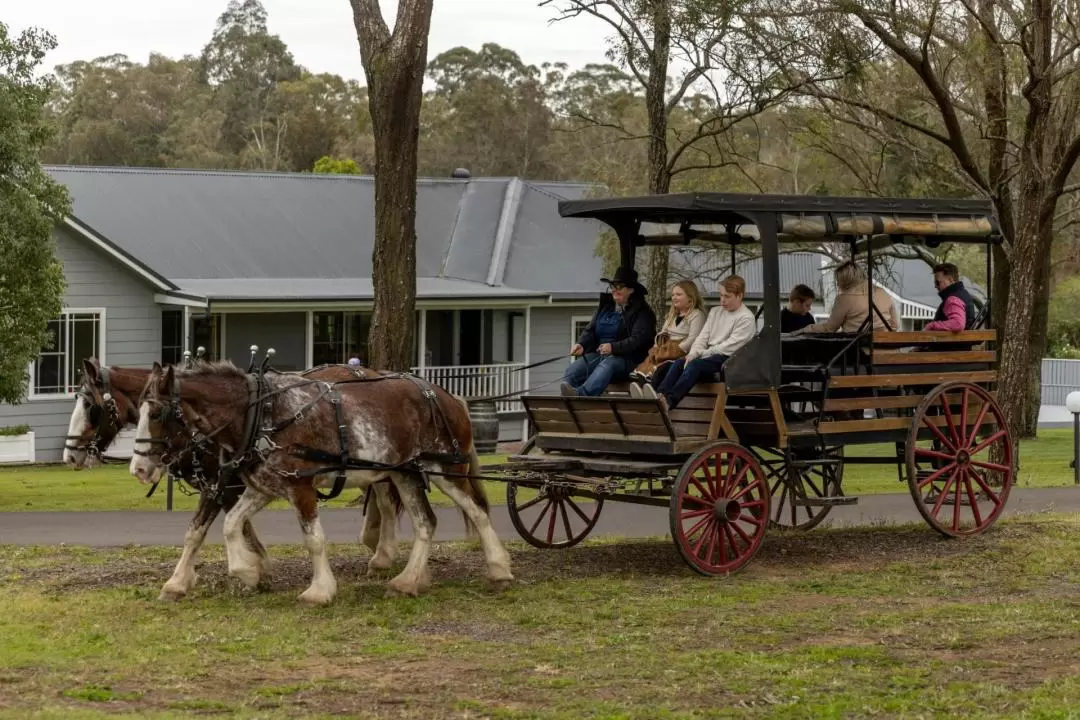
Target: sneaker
[568, 390]
[635, 391]
[648, 391]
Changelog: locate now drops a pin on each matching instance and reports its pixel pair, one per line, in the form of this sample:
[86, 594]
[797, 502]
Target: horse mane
[224, 369]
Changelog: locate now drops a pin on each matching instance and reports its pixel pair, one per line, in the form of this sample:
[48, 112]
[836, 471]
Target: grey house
[162, 261]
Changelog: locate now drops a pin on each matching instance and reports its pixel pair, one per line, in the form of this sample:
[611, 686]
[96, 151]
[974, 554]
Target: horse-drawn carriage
[761, 446]
[764, 444]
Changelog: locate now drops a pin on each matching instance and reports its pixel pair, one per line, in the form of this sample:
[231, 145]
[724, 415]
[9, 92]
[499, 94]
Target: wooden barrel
[485, 425]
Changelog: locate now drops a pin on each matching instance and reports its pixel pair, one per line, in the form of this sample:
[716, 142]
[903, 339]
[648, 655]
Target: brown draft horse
[108, 400]
[391, 426]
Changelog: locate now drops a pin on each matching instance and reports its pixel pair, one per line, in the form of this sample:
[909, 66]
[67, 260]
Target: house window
[172, 336]
[578, 323]
[75, 336]
[338, 336]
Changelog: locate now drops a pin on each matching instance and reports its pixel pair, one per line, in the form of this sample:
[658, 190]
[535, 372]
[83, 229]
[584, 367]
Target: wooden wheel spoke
[540, 518]
[986, 489]
[540, 497]
[742, 533]
[971, 498]
[990, 466]
[551, 523]
[566, 519]
[936, 475]
[700, 524]
[732, 540]
[574, 506]
[977, 424]
[963, 417]
[746, 489]
[956, 500]
[691, 514]
[937, 431]
[944, 493]
[708, 482]
[713, 534]
[949, 420]
[988, 442]
[696, 500]
[706, 495]
[729, 487]
[935, 454]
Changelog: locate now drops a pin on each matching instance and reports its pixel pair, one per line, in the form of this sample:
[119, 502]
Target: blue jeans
[682, 377]
[591, 373]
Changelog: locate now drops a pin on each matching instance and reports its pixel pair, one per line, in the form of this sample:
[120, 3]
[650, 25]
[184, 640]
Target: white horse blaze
[76, 426]
[141, 465]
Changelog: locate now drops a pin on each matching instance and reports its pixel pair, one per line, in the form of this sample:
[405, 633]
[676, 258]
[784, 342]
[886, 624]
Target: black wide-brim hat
[622, 276]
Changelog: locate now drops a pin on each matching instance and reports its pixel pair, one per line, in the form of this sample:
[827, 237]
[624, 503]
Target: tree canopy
[31, 278]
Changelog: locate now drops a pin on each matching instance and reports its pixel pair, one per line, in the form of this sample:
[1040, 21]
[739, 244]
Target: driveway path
[109, 529]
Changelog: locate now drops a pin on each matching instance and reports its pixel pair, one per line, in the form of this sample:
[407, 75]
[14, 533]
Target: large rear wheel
[959, 458]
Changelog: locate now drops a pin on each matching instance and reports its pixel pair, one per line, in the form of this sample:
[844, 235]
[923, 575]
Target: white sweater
[724, 333]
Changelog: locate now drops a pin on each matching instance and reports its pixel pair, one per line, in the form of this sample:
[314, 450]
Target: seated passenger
[957, 309]
[797, 314]
[852, 305]
[684, 321]
[615, 341]
[727, 329]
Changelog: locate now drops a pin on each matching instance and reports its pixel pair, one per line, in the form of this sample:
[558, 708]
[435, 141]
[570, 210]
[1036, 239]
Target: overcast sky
[319, 33]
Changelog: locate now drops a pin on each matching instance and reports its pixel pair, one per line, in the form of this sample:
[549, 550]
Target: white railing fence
[471, 381]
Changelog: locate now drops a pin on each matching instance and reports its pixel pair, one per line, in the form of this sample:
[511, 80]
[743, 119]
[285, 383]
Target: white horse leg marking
[243, 563]
[184, 577]
[415, 577]
[386, 550]
[498, 560]
[323, 586]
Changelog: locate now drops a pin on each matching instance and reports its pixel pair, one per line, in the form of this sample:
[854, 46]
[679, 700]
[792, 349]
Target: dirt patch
[783, 553]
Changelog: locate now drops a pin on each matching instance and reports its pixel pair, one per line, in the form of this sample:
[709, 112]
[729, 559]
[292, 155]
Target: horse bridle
[86, 393]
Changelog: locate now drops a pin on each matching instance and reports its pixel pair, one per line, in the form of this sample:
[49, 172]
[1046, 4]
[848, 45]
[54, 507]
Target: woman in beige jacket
[684, 322]
[852, 305]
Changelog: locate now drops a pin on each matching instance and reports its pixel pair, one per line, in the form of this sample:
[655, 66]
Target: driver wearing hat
[615, 341]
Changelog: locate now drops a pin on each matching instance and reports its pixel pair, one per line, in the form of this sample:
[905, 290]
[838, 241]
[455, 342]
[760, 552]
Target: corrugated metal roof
[218, 225]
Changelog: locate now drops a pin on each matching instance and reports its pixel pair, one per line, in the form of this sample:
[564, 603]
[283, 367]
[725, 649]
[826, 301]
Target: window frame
[574, 320]
[101, 313]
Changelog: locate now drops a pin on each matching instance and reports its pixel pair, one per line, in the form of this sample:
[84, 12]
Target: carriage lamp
[1072, 404]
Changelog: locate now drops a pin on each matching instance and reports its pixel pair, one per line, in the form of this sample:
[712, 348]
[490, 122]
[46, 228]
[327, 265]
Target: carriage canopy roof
[732, 217]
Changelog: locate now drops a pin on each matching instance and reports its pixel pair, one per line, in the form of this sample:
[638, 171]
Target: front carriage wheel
[959, 457]
[719, 508]
[553, 518]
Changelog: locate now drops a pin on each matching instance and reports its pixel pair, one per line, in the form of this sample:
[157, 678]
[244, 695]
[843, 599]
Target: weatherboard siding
[132, 332]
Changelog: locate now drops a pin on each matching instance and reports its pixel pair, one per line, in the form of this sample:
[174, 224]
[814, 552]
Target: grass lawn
[888, 622]
[1044, 462]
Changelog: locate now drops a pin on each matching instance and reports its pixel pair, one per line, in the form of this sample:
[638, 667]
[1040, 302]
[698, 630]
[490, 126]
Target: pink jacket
[955, 316]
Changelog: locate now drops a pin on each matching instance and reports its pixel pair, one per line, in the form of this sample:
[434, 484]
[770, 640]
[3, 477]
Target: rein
[108, 406]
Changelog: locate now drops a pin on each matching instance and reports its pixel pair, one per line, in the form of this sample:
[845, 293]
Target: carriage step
[826, 501]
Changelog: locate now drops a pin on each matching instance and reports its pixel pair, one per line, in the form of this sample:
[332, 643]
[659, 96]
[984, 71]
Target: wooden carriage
[763, 445]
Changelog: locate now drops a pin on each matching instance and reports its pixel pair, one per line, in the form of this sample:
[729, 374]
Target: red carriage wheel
[719, 508]
[554, 518]
[960, 459]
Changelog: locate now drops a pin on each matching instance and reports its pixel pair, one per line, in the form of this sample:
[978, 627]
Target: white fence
[1059, 378]
[471, 381]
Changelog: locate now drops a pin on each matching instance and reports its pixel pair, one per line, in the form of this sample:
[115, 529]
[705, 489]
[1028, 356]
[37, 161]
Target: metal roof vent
[461, 174]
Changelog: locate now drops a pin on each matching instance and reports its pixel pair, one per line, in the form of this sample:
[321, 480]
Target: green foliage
[337, 166]
[1063, 328]
[31, 278]
[14, 430]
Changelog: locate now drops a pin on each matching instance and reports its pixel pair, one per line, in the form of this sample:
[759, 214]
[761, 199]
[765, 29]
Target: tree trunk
[656, 278]
[1037, 339]
[394, 65]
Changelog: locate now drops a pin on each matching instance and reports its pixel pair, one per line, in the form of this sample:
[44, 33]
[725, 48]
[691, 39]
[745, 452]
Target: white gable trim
[127, 261]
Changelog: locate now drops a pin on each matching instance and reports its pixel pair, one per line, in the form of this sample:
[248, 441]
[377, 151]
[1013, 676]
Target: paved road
[110, 529]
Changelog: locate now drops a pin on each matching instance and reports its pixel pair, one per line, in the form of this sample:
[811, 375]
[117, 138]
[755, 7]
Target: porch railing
[479, 381]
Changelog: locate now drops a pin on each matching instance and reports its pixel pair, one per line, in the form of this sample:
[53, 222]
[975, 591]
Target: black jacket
[957, 289]
[636, 331]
